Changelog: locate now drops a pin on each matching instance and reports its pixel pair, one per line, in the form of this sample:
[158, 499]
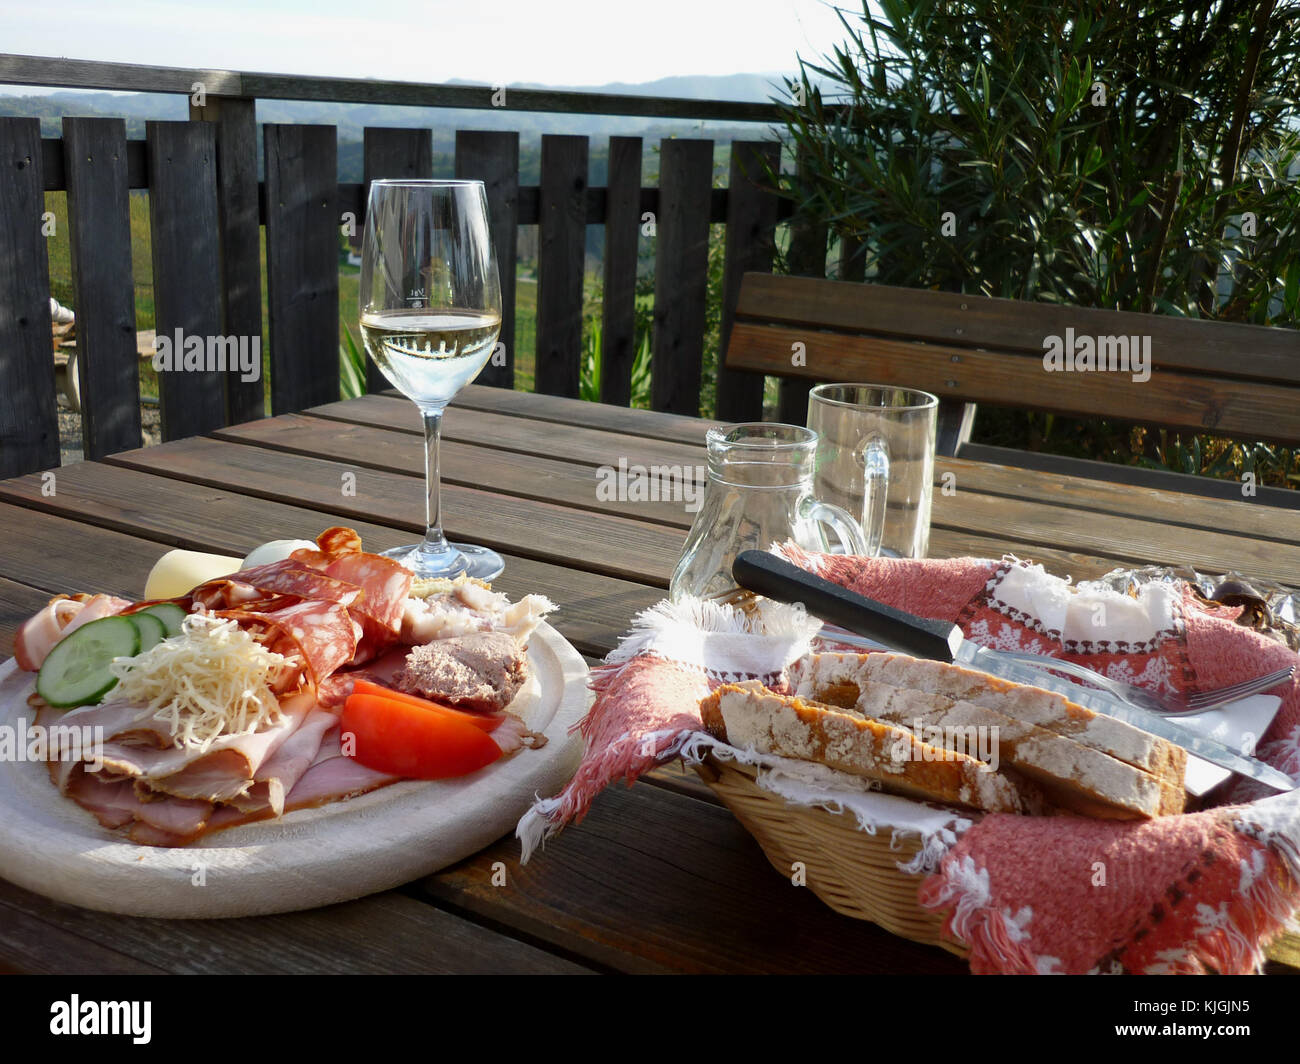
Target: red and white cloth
[1187, 894]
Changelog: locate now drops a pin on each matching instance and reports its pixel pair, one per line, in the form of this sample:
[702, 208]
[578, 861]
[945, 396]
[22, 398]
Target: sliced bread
[1074, 777]
[748, 715]
[840, 676]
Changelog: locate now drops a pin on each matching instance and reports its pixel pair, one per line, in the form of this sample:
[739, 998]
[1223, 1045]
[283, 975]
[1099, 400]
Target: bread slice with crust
[1072, 776]
[840, 675]
[748, 715]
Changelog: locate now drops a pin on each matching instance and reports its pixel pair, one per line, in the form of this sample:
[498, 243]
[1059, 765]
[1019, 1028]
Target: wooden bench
[1231, 380]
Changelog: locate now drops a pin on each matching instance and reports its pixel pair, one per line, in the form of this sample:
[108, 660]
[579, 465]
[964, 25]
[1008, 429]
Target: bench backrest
[1220, 377]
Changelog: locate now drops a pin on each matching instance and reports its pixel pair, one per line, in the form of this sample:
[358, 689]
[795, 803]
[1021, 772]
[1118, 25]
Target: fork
[1197, 702]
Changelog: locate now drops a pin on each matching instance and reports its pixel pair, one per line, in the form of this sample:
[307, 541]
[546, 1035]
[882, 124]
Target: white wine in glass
[430, 302]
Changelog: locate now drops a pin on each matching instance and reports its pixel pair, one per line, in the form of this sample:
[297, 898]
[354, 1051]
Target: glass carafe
[760, 492]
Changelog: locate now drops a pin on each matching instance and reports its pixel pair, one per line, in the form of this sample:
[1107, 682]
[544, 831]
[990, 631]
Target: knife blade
[766, 574]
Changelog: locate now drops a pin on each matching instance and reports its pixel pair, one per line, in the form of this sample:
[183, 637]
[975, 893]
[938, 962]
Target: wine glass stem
[434, 541]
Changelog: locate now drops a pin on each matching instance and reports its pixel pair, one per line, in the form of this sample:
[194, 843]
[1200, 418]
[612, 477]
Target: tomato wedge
[407, 740]
[479, 720]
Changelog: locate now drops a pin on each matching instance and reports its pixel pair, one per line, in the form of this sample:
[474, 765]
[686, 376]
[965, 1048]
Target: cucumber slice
[75, 672]
[152, 629]
[169, 613]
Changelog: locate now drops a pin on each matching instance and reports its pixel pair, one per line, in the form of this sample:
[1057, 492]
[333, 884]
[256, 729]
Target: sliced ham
[177, 816]
[115, 718]
[331, 778]
[334, 779]
[60, 617]
[112, 804]
[222, 773]
[116, 804]
[147, 835]
[279, 774]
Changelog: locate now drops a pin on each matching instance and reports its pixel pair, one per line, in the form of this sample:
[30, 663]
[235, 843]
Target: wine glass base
[463, 559]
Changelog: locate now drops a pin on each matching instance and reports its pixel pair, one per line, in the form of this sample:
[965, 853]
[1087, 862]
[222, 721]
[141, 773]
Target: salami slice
[339, 540]
[322, 633]
[297, 578]
[384, 584]
[222, 594]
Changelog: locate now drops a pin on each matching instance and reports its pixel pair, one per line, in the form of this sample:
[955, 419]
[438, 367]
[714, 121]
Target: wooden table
[659, 877]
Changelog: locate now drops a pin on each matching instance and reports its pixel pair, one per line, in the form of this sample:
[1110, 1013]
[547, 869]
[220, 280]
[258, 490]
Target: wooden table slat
[650, 424]
[600, 543]
[594, 610]
[524, 475]
[383, 933]
[576, 443]
[654, 881]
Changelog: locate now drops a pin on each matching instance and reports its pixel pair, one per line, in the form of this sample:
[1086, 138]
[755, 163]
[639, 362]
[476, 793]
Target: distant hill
[351, 119]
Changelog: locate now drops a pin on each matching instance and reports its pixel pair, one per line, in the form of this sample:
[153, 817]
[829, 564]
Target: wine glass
[430, 302]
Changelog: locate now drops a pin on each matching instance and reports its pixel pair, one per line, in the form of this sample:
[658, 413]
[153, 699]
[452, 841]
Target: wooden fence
[206, 206]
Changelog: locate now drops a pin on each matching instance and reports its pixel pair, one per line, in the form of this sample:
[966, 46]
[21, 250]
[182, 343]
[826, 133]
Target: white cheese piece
[275, 551]
[179, 571]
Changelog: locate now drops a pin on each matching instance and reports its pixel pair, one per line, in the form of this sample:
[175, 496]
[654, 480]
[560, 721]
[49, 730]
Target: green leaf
[1291, 296]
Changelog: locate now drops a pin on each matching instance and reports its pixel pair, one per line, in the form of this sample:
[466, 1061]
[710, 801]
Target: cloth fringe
[815, 786]
[628, 757]
[721, 639]
[997, 943]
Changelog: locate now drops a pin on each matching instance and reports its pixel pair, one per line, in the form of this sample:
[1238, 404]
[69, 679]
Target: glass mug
[760, 492]
[876, 460]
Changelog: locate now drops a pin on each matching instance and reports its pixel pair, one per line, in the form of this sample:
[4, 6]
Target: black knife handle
[766, 574]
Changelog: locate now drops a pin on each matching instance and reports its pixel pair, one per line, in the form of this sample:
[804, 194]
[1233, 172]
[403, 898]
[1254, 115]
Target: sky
[554, 42]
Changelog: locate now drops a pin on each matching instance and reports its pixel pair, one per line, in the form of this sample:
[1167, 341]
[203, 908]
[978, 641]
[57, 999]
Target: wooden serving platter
[308, 858]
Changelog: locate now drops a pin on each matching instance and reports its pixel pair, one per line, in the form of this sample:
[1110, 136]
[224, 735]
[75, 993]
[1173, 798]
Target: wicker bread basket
[855, 873]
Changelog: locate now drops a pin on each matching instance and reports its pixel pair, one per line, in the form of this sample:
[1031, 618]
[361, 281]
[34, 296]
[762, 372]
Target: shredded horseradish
[438, 585]
[209, 681]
